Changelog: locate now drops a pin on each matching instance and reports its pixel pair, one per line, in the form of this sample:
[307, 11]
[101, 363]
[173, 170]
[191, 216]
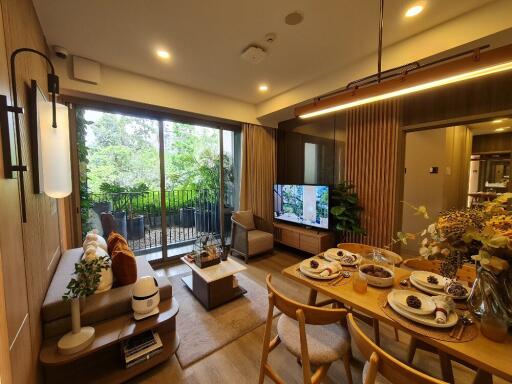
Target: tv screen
[307, 205]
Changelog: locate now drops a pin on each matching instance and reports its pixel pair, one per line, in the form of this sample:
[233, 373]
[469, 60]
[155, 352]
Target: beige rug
[203, 332]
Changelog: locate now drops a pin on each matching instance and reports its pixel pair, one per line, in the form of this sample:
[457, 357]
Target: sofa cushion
[115, 239]
[259, 242]
[97, 307]
[245, 218]
[124, 266]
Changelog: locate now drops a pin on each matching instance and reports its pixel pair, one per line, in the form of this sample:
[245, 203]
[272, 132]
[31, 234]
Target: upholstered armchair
[250, 235]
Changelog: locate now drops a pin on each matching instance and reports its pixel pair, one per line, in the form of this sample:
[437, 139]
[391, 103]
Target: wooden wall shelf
[307, 240]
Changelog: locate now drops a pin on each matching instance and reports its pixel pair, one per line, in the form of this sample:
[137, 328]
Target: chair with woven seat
[250, 235]
[314, 335]
[381, 367]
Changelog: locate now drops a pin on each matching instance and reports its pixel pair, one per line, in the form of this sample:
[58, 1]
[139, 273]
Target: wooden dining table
[489, 357]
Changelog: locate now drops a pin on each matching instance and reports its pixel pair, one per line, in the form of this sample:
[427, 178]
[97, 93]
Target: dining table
[488, 357]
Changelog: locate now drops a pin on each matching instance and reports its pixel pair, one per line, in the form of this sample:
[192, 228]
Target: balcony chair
[314, 335]
[250, 235]
[381, 367]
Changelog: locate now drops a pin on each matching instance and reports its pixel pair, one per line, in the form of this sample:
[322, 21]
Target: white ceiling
[206, 37]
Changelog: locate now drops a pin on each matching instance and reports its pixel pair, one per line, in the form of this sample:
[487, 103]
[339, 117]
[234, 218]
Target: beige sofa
[56, 315]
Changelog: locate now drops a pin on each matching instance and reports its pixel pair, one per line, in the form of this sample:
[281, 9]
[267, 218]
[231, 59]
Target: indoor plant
[84, 283]
[345, 210]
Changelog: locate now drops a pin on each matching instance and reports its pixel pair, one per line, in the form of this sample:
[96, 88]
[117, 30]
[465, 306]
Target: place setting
[324, 269]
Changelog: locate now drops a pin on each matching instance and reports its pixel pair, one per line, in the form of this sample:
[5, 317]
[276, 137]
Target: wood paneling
[501, 142]
[372, 165]
[31, 251]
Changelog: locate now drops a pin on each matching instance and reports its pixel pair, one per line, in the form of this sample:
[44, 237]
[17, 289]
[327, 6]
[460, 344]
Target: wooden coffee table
[213, 286]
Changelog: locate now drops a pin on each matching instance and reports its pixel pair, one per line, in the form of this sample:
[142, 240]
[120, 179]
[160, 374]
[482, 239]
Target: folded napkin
[329, 269]
[444, 305]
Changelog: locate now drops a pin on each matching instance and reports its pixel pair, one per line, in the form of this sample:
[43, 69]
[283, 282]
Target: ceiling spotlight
[497, 121]
[414, 10]
[163, 54]
[294, 18]
[263, 88]
[501, 129]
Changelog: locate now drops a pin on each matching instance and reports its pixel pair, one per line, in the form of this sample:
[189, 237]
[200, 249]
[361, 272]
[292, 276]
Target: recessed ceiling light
[501, 129]
[263, 88]
[497, 121]
[414, 10]
[163, 54]
[293, 18]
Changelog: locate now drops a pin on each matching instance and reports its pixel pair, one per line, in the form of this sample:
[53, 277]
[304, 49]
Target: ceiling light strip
[490, 62]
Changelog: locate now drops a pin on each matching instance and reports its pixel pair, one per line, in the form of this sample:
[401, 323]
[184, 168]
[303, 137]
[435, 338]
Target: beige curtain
[258, 170]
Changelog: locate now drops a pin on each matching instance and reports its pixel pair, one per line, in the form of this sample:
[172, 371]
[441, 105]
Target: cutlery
[452, 333]
[466, 320]
[338, 279]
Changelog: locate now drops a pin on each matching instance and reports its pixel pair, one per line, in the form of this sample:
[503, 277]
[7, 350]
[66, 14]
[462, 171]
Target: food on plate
[376, 271]
[433, 280]
[413, 301]
[348, 259]
[339, 253]
[457, 290]
[314, 264]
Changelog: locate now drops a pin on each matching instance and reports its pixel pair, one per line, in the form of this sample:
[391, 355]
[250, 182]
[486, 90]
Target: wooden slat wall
[372, 164]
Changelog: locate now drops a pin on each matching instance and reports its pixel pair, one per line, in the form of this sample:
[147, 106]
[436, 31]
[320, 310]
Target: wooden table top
[492, 357]
[217, 271]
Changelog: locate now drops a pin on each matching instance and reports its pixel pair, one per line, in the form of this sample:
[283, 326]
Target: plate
[332, 255]
[428, 320]
[422, 278]
[309, 272]
[436, 292]
[427, 304]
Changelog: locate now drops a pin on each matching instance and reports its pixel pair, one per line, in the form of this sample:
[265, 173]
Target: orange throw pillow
[124, 266]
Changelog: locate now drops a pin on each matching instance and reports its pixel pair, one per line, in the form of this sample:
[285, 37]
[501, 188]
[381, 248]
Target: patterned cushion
[124, 266]
[326, 343]
[379, 379]
[259, 242]
[245, 218]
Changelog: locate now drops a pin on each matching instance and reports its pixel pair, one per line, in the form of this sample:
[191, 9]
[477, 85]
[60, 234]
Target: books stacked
[141, 348]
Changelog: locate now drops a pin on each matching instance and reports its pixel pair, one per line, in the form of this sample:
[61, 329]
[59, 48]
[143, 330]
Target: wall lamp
[54, 138]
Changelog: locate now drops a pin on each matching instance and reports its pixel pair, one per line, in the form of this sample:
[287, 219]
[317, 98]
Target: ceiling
[487, 127]
[206, 37]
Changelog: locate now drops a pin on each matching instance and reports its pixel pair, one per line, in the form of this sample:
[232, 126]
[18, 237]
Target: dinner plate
[400, 298]
[428, 320]
[332, 255]
[436, 292]
[422, 278]
[309, 272]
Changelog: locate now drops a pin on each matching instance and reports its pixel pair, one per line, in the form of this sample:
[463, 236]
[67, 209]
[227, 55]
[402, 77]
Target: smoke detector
[254, 54]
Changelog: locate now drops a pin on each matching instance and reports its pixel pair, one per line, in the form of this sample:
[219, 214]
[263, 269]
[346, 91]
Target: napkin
[329, 269]
[444, 305]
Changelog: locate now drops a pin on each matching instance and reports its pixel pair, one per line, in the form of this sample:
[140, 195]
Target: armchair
[250, 235]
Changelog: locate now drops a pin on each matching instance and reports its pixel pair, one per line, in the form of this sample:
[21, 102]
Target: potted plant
[345, 211]
[84, 283]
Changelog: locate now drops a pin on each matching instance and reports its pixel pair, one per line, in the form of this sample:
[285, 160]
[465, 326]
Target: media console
[307, 240]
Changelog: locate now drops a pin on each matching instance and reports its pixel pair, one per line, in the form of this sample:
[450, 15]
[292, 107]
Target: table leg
[482, 377]
[446, 367]
[312, 297]
[376, 331]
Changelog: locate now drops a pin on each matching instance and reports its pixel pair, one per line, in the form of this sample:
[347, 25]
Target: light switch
[434, 170]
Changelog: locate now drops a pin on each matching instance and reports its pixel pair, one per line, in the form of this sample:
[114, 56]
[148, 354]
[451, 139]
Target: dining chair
[381, 367]
[314, 335]
[466, 273]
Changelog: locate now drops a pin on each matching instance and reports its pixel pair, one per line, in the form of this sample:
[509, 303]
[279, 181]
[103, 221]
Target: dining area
[355, 286]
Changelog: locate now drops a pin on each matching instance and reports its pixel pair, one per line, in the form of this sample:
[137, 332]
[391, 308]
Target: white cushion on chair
[259, 242]
[379, 379]
[326, 343]
[245, 218]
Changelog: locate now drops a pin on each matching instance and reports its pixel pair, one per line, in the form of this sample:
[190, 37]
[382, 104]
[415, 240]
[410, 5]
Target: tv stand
[307, 240]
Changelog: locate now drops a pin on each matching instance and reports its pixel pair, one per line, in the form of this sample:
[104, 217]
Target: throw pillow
[124, 265]
[245, 218]
[113, 240]
[93, 237]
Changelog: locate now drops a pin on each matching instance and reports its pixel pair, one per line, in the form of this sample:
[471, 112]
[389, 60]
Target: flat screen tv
[307, 205]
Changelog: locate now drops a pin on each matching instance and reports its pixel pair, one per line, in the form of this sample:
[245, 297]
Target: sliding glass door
[161, 179]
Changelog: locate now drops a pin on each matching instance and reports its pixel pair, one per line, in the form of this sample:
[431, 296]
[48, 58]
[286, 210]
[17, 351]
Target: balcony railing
[138, 216]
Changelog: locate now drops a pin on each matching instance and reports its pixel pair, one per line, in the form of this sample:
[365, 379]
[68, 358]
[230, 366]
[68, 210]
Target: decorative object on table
[207, 251]
[346, 211]
[377, 275]
[106, 276]
[360, 282]
[87, 278]
[145, 297]
[458, 290]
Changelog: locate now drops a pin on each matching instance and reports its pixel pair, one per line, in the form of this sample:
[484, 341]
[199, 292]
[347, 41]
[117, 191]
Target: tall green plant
[346, 210]
[85, 200]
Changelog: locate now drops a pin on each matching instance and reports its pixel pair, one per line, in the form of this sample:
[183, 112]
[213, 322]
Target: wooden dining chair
[466, 273]
[381, 367]
[314, 335]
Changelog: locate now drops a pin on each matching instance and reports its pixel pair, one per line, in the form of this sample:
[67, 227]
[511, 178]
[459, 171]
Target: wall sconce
[54, 125]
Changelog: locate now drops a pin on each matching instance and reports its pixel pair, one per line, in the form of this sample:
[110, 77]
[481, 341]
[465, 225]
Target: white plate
[422, 278]
[308, 271]
[428, 320]
[332, 255]
[427, 304]
[436, 292]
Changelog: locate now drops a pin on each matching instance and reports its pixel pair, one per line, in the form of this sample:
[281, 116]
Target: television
[302, 204]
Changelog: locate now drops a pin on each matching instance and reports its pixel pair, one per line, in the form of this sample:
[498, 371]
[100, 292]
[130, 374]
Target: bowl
[369, 272]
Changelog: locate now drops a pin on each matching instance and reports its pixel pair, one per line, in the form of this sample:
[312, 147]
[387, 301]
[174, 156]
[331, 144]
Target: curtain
[258, 171]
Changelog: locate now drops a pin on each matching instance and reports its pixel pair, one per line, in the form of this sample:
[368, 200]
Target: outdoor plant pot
[187, 217]
[135, 227]
[102, 206]
[207, 221]
[173, 219]
[120, 220]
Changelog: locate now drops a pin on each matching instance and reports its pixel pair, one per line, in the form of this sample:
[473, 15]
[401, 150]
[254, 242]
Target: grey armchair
[250, 235]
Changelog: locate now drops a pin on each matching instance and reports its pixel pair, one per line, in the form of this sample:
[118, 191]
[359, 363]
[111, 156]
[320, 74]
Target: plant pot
[120, 220]
[187, 218]
[102, 206]
[80, 337]
[173, 219]
[135, 226]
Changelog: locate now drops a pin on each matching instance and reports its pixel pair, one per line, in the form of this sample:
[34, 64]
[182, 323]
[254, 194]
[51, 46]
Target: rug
[203, 332]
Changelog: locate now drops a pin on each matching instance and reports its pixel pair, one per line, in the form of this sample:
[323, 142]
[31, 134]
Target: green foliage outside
[346, 210]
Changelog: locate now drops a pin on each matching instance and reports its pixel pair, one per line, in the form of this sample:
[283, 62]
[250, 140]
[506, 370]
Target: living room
[247, 191]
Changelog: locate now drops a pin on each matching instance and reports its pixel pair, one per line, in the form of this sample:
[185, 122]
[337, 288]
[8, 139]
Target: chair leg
[412, 349]
[482, 377]
[346, 363]
[396, 335]
[446, 367]
[376, 331]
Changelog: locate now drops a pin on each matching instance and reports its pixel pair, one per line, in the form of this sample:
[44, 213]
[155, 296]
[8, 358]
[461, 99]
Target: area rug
[203, 332]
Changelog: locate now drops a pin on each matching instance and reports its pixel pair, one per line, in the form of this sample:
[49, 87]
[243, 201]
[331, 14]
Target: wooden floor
[238, 362]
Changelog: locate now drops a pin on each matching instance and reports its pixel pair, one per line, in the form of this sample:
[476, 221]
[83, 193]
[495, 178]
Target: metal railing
[138, 215]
